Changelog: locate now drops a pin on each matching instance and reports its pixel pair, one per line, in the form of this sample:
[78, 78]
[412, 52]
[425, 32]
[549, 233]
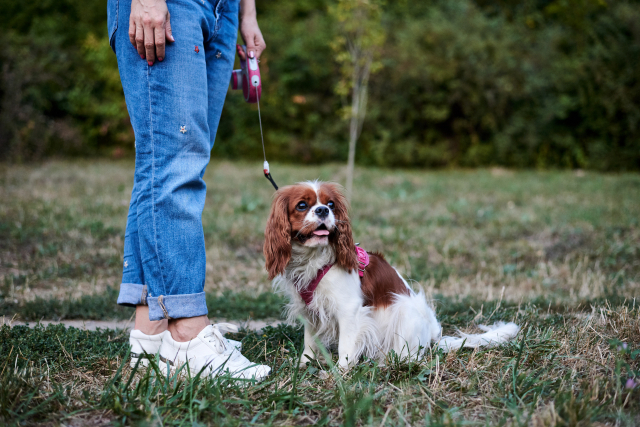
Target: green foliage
[470, 83]
[60, 91]
[358, 43]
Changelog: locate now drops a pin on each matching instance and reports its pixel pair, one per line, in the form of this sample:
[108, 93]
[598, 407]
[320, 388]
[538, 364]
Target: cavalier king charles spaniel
[349, 298]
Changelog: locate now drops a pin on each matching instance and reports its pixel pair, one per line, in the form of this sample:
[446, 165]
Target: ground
[556, 252]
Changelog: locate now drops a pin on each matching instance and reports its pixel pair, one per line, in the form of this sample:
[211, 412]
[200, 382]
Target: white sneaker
[210, 351]
[145, 346]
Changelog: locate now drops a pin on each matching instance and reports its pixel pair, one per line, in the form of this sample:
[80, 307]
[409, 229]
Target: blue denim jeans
[175, 108]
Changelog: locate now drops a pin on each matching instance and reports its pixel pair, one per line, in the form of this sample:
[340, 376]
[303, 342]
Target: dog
[349, 298]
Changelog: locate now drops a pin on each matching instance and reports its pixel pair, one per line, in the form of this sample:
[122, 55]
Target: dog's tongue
[321, 232]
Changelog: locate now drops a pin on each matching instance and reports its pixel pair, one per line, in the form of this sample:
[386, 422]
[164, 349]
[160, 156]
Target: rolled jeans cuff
[177, 306]
[132, 294]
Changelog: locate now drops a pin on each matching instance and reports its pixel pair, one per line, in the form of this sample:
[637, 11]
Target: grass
[557, 252]
[227, 305]
[562, 370]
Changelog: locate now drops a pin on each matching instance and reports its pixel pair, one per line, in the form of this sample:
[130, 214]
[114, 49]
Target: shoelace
[217, 335]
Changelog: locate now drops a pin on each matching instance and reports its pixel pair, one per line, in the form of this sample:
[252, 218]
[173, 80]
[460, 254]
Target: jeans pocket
[112, 21]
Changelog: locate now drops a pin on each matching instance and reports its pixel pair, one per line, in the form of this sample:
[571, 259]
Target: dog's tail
[494, 335]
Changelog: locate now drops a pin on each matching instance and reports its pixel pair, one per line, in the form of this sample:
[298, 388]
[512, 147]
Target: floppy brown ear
[343, 238]
[277, 243]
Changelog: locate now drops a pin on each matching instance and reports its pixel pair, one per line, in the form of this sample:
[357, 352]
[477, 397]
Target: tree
[357, 48]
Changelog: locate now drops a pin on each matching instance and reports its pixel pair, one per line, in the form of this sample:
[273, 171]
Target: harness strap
[307, 293]
[363, 260]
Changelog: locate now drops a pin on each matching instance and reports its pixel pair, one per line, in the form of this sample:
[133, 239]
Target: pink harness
[307, 293]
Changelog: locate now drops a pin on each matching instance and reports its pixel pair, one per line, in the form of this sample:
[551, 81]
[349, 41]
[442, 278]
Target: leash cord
[267, 172]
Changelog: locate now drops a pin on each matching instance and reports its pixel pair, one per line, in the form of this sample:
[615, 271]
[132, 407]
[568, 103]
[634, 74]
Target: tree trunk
[353, 138]
[360, 80]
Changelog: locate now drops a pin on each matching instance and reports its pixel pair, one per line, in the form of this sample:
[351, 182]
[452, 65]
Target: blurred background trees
[518, 83]
[357, 51]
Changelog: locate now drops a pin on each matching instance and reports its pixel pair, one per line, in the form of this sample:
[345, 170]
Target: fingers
[240, 51]
[149, 44]
[140, 40]
[160, 41]
[255, 46]
[168, 30]
[132, 31]
[251, 46]
[259, 44]
[150, 29]
[253, 38]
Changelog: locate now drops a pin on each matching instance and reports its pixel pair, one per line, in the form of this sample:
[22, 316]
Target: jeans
[175, 108]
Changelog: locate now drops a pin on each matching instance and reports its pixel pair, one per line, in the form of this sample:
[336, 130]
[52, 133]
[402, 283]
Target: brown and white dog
[311, 255]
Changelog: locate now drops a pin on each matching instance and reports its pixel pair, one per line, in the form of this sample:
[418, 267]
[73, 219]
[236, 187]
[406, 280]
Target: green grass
[562, 370]
[227, 305]
[557, 252]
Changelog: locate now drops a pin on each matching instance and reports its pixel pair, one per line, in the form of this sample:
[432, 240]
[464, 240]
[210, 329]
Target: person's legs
[167, 103]
[149, 327]
[175, 107]
[133, 292]
[219, 52]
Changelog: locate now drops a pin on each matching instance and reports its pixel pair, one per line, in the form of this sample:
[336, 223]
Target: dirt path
[92, 325]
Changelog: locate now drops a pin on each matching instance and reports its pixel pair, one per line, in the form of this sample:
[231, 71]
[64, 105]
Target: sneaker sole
[143, 358]
[169, 366]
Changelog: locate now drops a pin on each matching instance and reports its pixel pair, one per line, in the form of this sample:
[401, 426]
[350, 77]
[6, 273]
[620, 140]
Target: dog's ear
[342, 240]
[277, 243]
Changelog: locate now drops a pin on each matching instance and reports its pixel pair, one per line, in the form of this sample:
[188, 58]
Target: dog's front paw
[344, 365]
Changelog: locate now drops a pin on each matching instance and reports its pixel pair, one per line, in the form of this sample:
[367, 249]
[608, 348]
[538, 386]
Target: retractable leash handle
[248, 76]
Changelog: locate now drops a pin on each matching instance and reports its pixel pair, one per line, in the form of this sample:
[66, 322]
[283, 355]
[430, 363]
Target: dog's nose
[322, 212]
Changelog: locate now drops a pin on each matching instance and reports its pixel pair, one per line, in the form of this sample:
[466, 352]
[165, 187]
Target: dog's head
[311, 214]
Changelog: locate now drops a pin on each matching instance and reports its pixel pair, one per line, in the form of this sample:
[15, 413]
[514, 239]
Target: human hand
[252, 37]
[149, 28]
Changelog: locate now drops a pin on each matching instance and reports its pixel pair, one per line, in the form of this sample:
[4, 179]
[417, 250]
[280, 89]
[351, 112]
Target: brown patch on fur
[277, 237]
[284, 224]
[342, 237]
[296, 194]
[380, 282]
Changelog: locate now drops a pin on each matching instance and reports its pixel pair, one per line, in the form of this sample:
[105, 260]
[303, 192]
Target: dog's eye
[331, 205]
[302, 206]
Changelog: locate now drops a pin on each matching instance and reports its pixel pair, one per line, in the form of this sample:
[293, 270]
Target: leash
[265, 166]
[248, 79]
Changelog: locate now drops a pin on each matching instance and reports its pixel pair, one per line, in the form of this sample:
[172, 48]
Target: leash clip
[267, 174]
